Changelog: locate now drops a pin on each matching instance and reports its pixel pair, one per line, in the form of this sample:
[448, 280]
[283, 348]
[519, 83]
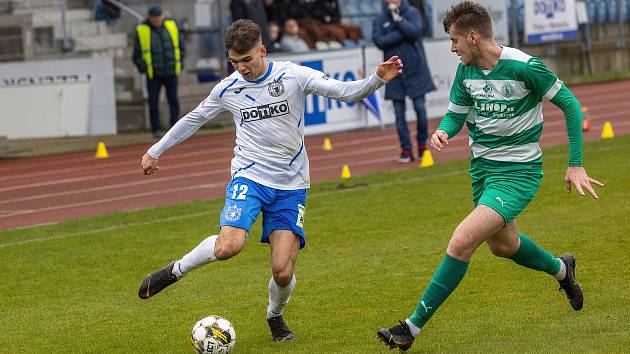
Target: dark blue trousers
[401, 122]
[153, 87]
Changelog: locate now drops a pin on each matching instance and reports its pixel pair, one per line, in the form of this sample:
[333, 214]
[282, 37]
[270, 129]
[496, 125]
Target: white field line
[108, 187]
[104, 229]
[114, 199]
[179, 217]
[314, 195]
[170, 190]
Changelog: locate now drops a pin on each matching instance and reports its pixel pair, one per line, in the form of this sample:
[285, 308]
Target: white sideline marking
[107, 200]
[314, 195]
[109, 228]
[109, 187]
[311, 196]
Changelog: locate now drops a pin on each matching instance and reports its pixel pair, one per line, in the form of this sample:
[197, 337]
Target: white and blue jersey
[270, 166]
[269, 118]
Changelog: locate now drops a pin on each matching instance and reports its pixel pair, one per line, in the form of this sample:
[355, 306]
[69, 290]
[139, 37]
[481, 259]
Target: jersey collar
[264, 77]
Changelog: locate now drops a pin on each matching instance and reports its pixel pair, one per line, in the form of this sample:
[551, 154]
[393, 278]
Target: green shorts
[506, 192]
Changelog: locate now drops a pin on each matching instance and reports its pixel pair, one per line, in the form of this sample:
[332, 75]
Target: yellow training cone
[101, 151]
[345, 172]
[607, 131]
[427, 159]
[327, 145]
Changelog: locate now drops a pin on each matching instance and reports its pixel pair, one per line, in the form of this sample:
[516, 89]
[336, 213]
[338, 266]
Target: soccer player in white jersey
[269, 170]
[498, 93]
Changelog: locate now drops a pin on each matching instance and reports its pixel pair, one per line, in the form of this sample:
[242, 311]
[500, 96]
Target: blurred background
[66, 65]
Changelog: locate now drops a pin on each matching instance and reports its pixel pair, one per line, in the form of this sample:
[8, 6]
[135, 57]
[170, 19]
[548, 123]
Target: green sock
[444, 281]
[532, 256]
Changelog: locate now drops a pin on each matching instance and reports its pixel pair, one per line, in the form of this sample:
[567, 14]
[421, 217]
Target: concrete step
[82, 29]
[51, 17]
[21, 5]
[101, 42]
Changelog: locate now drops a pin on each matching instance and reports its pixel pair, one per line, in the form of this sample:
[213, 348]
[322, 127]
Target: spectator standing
[159, 54]
[291, 41]
[107, 11]
[397, 31]
[277, 11]
[252, 10]
[423, 8]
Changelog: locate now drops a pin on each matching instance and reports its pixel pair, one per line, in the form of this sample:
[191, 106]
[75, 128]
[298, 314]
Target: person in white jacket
[270, 171]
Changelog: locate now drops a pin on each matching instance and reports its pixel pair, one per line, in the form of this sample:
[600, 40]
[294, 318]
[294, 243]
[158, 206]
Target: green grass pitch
[374, 242]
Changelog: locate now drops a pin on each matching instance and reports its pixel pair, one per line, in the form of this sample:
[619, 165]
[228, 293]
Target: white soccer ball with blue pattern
[213, 335]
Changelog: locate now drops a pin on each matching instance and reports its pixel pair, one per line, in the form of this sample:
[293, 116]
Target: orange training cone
[607, 131]
[345, 172]
[101, 151]
[586, 121]
[427, 159]
[327, 145]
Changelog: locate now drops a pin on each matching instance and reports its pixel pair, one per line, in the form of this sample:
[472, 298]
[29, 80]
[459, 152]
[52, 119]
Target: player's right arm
[458, 108]
[183, 129]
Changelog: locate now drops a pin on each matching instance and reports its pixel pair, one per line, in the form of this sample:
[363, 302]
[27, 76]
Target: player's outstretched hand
[577, 176]
[439, 139]
[390, 69]
[149, 164]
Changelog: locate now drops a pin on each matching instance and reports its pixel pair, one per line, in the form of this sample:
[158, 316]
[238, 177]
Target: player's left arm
[314, 81]
[547, 84]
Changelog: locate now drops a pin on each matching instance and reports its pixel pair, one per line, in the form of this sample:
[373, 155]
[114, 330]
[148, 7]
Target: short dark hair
[242, 36]
[468, 16]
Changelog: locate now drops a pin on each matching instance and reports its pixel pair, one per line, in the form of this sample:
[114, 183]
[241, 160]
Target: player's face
[465, 46]
[156, 21]
[251, 64]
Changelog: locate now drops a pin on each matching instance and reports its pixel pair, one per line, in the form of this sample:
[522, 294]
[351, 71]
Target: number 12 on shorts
[239, 191]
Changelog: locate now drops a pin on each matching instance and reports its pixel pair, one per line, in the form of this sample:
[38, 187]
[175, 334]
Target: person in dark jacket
[159, 53]
[277, 11]
[252, 10]
[397, 31]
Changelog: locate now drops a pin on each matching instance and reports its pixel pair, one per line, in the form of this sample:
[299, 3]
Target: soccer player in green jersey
[498, 93]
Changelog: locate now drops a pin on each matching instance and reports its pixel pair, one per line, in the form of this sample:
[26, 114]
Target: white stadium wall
[57, 98]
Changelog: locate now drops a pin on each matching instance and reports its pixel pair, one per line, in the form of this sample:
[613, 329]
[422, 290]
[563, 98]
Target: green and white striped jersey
[502, 107]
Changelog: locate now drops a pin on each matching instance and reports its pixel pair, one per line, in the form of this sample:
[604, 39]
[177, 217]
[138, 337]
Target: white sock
[412, 328]
[200, 255]
[563, 270]
[279, 297]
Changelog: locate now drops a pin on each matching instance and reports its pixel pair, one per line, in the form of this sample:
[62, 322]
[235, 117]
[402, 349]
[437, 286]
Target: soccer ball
[213, 335]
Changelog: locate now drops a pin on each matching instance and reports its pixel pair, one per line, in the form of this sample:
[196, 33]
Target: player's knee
[226, 251]
[502, 249]
[283, 276]
[459, 246]
[229, 244]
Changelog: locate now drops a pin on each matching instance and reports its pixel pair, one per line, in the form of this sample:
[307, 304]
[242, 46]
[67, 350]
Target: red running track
[50, 189]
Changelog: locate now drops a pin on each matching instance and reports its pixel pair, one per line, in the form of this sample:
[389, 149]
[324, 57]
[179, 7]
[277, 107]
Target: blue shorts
[282, 209]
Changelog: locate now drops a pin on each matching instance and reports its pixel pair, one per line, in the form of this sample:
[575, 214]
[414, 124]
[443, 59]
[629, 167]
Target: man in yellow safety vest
[159, 53]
